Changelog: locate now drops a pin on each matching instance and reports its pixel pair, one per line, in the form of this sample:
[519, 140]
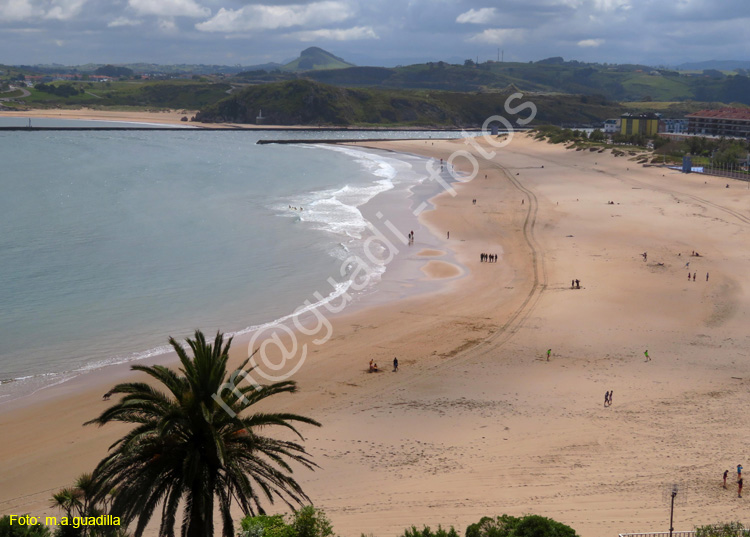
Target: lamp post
[671, 510]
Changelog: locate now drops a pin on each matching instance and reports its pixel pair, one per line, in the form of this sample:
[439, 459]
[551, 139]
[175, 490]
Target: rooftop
[723, 113]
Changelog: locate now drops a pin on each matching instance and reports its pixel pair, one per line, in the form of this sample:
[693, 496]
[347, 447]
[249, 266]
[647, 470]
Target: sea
[112, 241]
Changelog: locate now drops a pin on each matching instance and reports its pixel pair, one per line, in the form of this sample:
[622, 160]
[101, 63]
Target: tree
[596, 136]
[187, 447]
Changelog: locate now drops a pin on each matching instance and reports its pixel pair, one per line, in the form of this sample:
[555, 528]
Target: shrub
[311, 522]
[16, 530]
[307, 522]
[724, 529]
[527, 526]
[427, 532]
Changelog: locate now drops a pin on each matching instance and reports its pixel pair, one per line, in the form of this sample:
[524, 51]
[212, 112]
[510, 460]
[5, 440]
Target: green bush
[527, 526]
[724, 529]
[427, 532]
[307, 522]
[265, 526]
[16, 530]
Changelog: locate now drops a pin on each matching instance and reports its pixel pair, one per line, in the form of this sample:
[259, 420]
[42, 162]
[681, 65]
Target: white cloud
[64, 9]
[123, 21]
[590, 42]
[484, 15]
[612, 5]
[499, 36]
[167, 25]
[17, 10]
[348, 34]
[263, 17]
[169, 8]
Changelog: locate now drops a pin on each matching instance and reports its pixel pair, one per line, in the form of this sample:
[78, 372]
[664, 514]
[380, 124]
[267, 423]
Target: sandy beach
[477, 421]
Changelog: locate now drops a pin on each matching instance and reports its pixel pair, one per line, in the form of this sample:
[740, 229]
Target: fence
[660, 534]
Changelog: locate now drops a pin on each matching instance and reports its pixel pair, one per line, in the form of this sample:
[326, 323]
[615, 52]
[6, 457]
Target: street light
[671, 510]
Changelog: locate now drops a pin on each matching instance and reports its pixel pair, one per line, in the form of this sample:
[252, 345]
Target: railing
[660, 534]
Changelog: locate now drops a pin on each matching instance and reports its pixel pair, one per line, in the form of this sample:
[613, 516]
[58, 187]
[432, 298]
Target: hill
[719, 65]
[304, 102]
[315, 58]
[614, 82]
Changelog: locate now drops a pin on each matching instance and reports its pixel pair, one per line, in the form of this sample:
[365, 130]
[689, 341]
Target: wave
[334, 211]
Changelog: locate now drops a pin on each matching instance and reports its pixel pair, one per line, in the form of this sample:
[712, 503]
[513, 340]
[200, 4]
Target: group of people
[474, 201]
[694, 275]
[296, 209]
[374, 365]
[739, 480]
[575, 284]
[489, 258]
[608, 398]
[410, 236]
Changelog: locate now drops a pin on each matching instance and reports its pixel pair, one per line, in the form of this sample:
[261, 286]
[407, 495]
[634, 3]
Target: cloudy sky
[374, 32]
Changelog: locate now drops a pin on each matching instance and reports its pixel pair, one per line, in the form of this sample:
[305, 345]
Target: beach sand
[166, 117]
[477, 421]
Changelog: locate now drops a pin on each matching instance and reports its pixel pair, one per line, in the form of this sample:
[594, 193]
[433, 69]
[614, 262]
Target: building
[646, 124]
[729, 122]
[673, 126]
[611, 126]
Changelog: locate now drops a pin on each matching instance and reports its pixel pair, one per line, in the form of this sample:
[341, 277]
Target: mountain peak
[315, 58]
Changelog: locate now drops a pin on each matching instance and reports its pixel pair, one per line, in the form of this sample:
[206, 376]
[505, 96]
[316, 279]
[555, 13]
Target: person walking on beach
[739, 471]
[395, 364]
[706, 276]
[549, 351]
[739, 488]
[611, 393]
[645, 353]
[606, 398]
[449, 235]
[726, 473]
[694, 274]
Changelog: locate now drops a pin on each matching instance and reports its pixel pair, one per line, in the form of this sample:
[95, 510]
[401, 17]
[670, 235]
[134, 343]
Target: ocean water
[112, 241]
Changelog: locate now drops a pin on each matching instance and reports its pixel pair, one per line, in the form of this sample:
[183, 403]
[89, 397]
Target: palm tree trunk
[202, 510]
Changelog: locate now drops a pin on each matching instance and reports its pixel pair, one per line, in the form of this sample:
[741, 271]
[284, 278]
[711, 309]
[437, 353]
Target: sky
[373, 32]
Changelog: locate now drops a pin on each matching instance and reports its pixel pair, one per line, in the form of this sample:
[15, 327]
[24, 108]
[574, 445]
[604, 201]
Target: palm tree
[68, 499]
[187, 448]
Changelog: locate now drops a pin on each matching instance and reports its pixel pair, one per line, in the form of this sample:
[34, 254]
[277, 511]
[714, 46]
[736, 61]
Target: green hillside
[314, 58]
[169, 94]
[303, 102]
[614, 82]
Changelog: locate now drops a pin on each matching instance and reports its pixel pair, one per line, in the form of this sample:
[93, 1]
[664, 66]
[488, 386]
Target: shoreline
[401, 279]
[477, 421]
[174, 117]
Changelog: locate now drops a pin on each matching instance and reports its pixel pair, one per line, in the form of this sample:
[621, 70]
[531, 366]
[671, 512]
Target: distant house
[611, 126]
[646, 124]
[730, 122]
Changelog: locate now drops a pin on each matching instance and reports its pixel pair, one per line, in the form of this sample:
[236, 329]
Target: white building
[611, 126]
[673, 126]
